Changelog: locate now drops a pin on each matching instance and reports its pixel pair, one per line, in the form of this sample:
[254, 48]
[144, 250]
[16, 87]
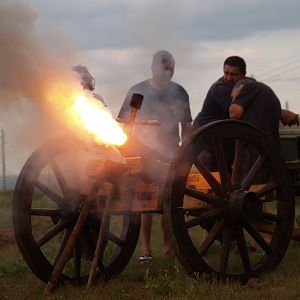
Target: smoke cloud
[32, 59]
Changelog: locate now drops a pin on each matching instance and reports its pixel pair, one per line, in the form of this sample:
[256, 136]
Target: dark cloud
[240, 20]
[90, 24]
[109, 24]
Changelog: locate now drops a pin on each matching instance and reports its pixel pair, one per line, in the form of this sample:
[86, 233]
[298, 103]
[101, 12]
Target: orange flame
[97, 121]
[85, 114]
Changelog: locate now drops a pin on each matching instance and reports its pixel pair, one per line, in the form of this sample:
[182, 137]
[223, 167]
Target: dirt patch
[7, 236]
[258, 283]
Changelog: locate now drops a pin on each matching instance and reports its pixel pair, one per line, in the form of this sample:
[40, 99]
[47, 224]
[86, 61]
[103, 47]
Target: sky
[116, 41]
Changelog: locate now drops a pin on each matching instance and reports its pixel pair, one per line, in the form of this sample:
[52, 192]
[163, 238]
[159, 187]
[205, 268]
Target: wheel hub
[242, 204]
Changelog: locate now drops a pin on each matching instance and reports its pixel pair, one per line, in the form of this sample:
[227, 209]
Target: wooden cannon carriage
[77, 205]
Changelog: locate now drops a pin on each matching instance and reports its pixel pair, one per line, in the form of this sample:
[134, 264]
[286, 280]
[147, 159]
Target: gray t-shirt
[169, 105]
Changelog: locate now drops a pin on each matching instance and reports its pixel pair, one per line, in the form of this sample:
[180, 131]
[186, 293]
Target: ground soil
[7, 236]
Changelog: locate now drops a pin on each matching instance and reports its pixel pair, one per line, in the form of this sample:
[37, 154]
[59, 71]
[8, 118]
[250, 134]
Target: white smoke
[31, 58]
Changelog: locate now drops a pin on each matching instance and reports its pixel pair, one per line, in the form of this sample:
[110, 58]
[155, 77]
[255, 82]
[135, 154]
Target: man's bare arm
[236, 111]
[289, 117]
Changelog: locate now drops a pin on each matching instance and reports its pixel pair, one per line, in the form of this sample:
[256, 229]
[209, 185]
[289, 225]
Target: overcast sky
[116, 40]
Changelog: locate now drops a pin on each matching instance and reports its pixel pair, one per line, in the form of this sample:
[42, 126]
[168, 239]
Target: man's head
[162, 67]
[240, 85]
[234, 70]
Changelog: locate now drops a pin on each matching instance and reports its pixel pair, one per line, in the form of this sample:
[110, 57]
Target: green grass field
[161, 279]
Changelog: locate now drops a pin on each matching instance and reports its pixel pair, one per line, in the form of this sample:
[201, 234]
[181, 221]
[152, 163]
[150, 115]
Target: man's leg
[168, 249]
[146, 225]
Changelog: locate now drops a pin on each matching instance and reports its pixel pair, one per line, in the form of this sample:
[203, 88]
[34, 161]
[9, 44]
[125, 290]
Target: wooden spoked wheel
[46, 206]
[251, 203]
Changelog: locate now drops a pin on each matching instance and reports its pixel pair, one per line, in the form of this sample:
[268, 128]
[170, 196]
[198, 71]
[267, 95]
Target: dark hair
[236, 61]
[163, 57]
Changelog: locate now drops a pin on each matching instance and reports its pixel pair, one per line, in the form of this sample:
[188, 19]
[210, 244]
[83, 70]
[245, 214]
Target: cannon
[77, 205]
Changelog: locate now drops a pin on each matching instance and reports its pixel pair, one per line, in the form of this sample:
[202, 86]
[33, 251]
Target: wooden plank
[197, 181]
[104, 167]
[190, 203]
[144, 197]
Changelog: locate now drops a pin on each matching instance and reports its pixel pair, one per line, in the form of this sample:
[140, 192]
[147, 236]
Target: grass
[161, 279]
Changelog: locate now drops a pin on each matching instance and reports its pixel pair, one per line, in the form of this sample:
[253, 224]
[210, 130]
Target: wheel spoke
[63, 242]
[211, 237]
[211, 180]
[77, 259]
[205, 216]
[247, 181]
[241, 243]
[208, 198]
[59, 176]
[51, 194]
[258, 237]
[237, 162]
[270, 187]
[222, 165]
[113, 238]
[101, 265]
[57, 228]
[271, 217]
[52, 212]
[225, 249]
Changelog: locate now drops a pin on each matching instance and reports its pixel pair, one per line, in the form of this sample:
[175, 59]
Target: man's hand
[289, 117]
[236, 111]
